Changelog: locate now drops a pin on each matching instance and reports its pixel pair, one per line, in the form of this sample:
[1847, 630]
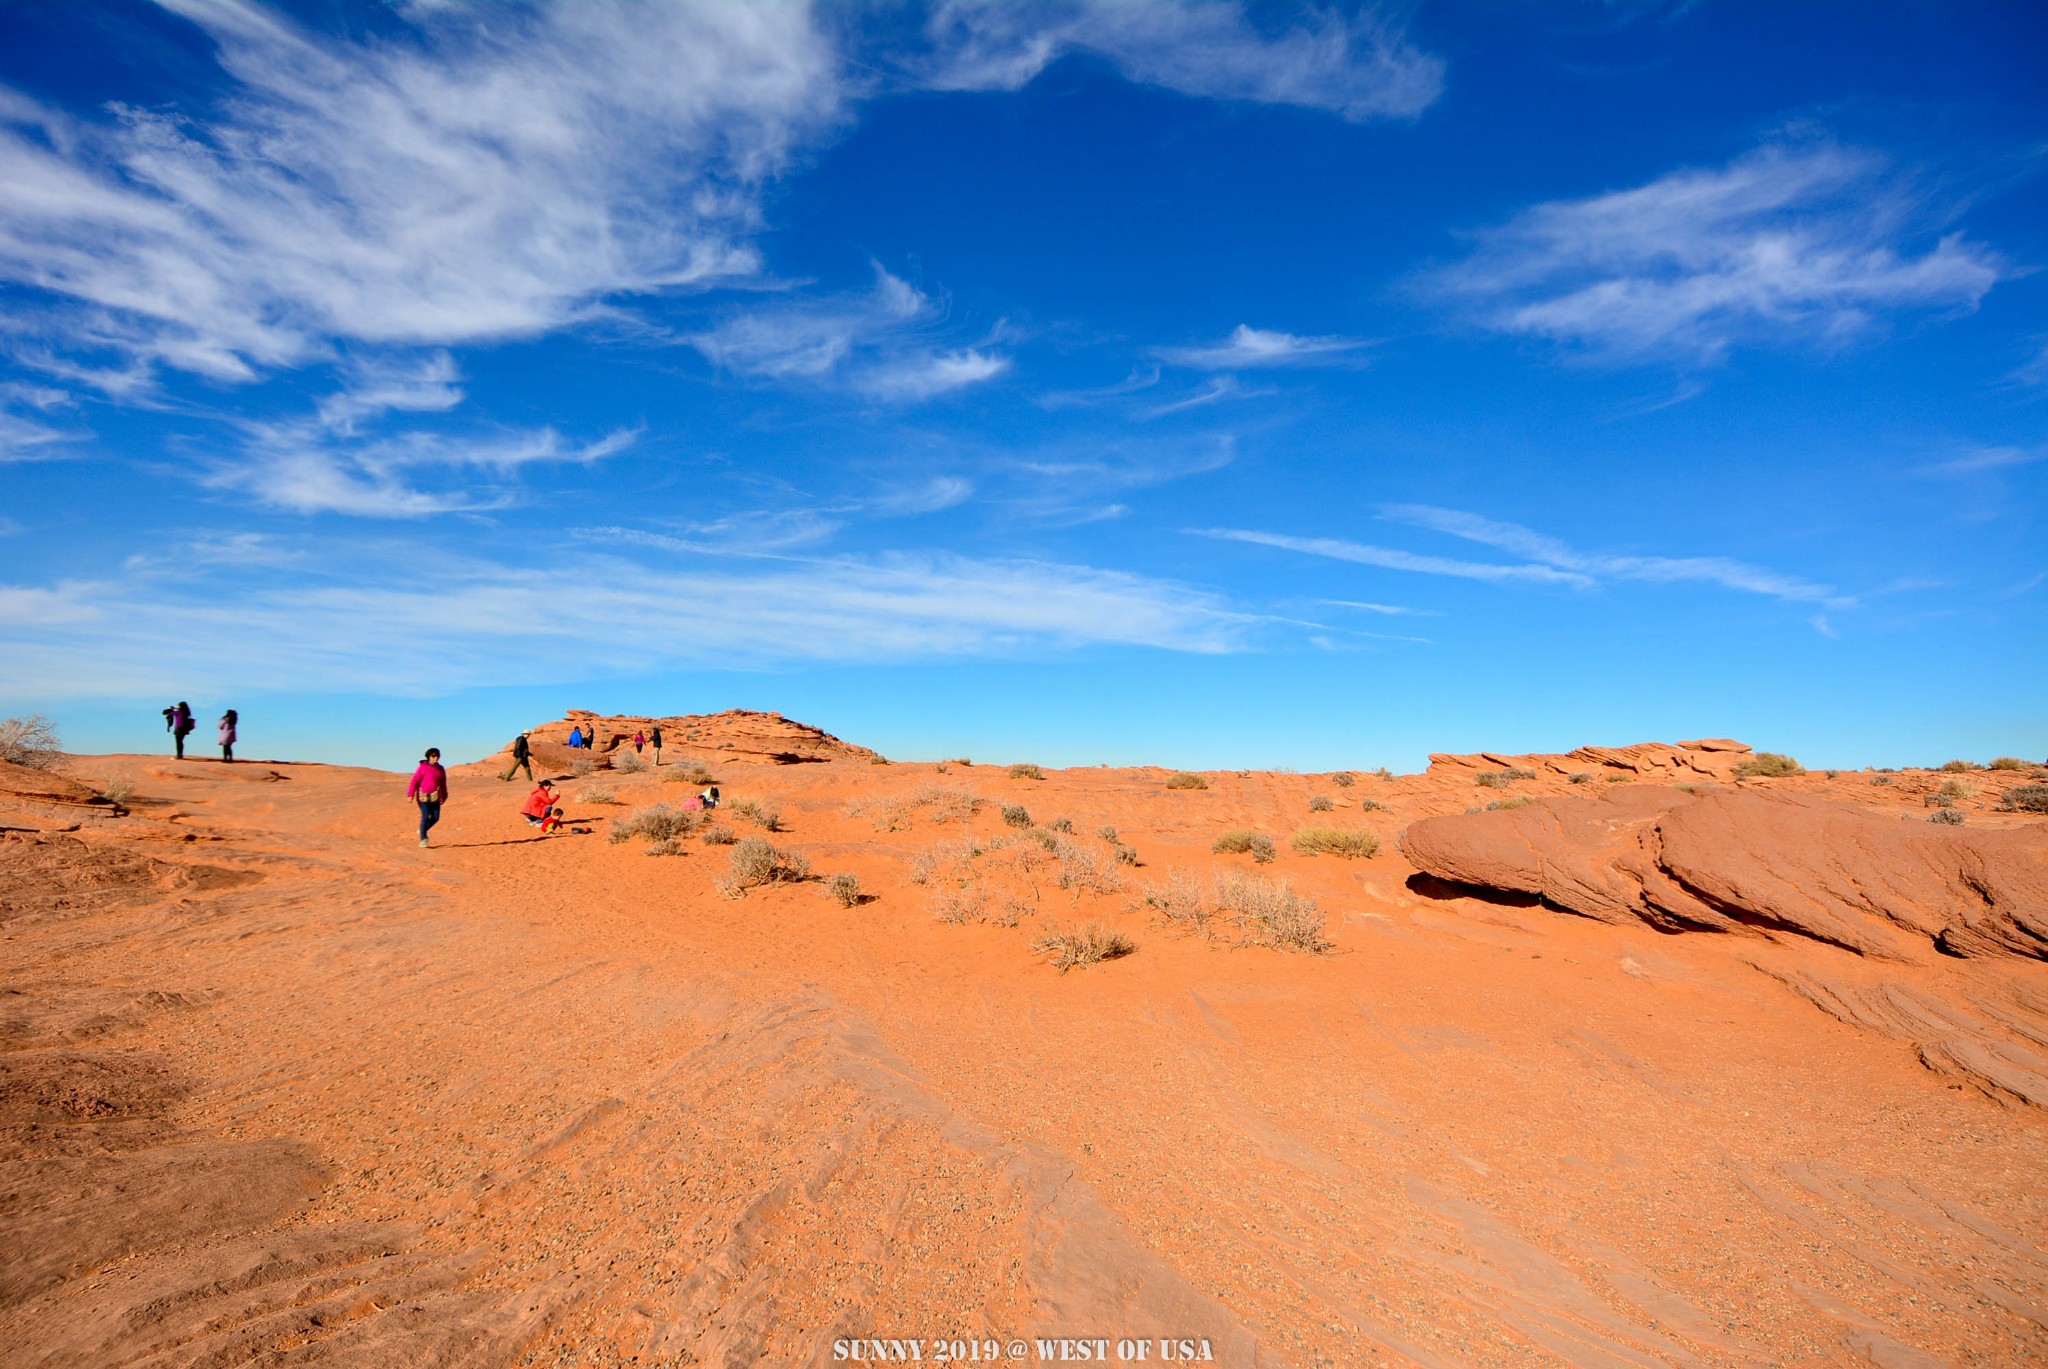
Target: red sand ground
[277, 1085]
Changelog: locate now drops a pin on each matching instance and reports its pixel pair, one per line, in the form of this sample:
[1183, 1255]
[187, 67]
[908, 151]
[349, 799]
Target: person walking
[654, 740]
[429, 789]
[181, 725]
[639, 741]
[522, 757]
[227, 735]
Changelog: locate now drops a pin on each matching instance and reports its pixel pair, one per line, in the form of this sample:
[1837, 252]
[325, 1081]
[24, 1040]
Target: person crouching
[541, 810]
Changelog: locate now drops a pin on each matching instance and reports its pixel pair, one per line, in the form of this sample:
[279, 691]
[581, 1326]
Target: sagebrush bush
[1244, 841]
[844, 888]
[768, 819]
[669, 847]
[1957, 766]
[1017, 815]
[1957, 789]
[1026, 772]
[1083, 867]
[715, 835]
[1947, 816]
[1512, 773]
[1487, 779]
[657, 823]
[119, 790]
[2026, 798]
[1880, 779]
[1186, 780]
[1107, 833]
[1126, 855]
[1937, 801]
[1768, 765]
[1580, 776]
[1319, 804]
[628, 763]
[30, 741]
[1343, 779]
[755, 861]
[2009, 763]
[1371, 806]
[1087, 944]
[687, 772]
[1334, 841]
[1060, 825]
[582, 765]
[599, 793]
[1383, 773]
[1269, 913]
[1182, 902]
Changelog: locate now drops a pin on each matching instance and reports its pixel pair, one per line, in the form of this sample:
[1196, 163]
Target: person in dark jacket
[654, 740]
[181, 724]
[522, 758]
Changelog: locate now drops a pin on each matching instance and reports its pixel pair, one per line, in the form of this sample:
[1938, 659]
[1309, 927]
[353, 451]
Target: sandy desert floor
[279, 1086]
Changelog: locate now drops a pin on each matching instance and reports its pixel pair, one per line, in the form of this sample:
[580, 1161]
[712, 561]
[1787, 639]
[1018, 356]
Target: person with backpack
[178, 721]
[654, 740]
[429, 789]
[227, 735]
[522, 758]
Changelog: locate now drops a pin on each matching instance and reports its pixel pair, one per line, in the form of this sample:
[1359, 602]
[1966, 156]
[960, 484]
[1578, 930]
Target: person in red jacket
[541, 810]
[429, 789]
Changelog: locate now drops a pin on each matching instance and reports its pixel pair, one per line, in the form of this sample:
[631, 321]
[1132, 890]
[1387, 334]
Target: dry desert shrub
[1768, 765]
[895, 812]
[1957, 789]
[657, 823]
[1266, 912]
[30, 741]
[670, 847]
[960, 906]
[1244, 841]
[714, 835]
[1522, 800]
[1937, 801]
[687, 772]
[1269, 913]
[1026, 772]
[1580, 776]
[1125, 855]
[1320, 804]
[1082, 867]
[1881, 779]
[581, 766]
[1061, 825]
[845, 889]
[599, 793]
[628, 763]
[1108, 834]
[1016, 815]
[755, 861]
[1487, 779]
[1371, 806]
[1383, 773]
[1335, 841]
[1087, 944]
[2009, 763]
[1343, 779]
[767, 819]
[2026, 798]
[1186, 780]
[119, 790]
[1948, 817]
[1955, 767]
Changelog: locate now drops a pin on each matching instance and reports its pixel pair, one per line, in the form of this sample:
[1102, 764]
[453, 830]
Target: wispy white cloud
[1793, 241]
[401, 618]
[878, 343]
[1976, 459]
[931, 496]
[1391, 610]
[1358, 67]
[504, 174]
[1216, 391]
[28, 439]
[1549, 551]
[1389, 558]
[382, 385]
[2033, 371]
[1248, 347]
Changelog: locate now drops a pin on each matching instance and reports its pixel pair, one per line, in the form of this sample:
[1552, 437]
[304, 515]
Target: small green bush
[845, 889]
[1245, 841]
[1016, 815]
[1343, 779]
[2026, 798]
[1185, 780]
[1319, 804]
[1334, 841]
[1026, 772]
[1768, 765]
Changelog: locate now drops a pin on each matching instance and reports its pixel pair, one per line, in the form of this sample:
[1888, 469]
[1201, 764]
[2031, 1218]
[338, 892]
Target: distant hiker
[227, 735]
[541, 810]
[639, 740]
[654, 740]
[179, 721]
[429, 789]
[522, 757]
[575, 736]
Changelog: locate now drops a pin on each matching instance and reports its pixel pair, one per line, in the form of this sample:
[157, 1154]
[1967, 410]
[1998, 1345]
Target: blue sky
[1181, 382]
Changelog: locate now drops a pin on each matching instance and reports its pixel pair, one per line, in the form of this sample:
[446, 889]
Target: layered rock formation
[737, 734]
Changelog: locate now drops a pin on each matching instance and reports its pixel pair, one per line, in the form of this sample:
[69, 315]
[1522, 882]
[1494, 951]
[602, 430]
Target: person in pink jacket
[429, 789]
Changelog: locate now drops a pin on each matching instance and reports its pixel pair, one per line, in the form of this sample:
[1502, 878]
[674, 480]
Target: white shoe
[423, 841]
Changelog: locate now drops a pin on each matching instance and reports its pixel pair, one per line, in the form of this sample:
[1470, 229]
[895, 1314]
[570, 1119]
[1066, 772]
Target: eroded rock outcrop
[1775, 864]
[1708, 758]
[738, 734]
